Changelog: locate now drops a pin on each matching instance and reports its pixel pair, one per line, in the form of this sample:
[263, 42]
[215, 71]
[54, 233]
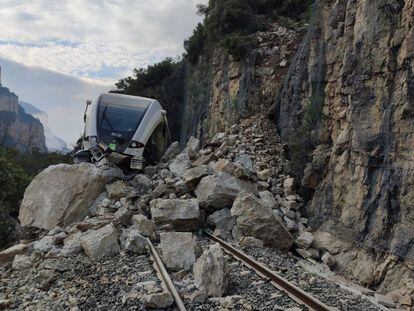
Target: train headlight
[136, 144]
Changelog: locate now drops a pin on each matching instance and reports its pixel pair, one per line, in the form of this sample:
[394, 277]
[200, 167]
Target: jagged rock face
[220, 89]
[17, 128]
[62, 194]
[355, 70]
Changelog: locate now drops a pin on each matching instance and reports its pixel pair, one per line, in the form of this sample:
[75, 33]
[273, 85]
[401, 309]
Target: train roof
[126, 100]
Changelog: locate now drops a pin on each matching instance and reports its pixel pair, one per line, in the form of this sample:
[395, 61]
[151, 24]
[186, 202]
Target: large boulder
[62, 194]
[218, 191]
[101, 242]
[177, 250]
[211, 275]
[255, 219]
[183, 215]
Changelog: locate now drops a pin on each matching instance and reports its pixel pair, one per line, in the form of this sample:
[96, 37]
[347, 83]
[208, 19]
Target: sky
[57, 54]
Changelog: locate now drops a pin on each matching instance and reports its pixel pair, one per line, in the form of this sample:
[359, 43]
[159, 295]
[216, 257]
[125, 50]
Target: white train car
[128, 128]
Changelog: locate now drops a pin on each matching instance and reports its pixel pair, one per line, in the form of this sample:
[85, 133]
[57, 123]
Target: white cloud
[61, 96]
[103, 39]
[72, 50]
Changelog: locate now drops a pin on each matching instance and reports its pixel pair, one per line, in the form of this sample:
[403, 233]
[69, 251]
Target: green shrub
[16, 172]
[238, 45]
[194, 45]
[232, 23]
[145, 78]
[163, 81]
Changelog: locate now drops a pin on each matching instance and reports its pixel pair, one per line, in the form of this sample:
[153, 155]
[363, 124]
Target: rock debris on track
[287, 266]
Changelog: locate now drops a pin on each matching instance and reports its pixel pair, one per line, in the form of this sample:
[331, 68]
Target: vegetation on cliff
[228, 24]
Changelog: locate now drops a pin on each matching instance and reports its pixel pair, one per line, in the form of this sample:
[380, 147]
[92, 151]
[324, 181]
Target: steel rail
[276, 280]
[165, 278]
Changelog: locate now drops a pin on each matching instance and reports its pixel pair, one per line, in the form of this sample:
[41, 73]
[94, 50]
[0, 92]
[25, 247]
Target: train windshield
[117, 124]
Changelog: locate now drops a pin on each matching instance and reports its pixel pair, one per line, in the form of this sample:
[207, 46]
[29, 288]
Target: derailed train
[130, 131]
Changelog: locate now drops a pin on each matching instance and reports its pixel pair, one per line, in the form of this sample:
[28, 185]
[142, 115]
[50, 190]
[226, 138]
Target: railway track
[164, 277]
[294, 292]
[294, 295]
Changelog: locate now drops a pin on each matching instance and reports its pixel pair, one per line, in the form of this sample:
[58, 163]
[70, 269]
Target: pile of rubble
[234, 186]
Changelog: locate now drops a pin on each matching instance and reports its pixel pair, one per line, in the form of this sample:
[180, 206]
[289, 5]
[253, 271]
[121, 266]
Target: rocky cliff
[346, 113]
[53, 143]
[342, 99]
[17, 128]
[221, 89]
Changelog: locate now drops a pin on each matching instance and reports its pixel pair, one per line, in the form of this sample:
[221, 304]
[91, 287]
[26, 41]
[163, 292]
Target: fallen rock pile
[235, 185]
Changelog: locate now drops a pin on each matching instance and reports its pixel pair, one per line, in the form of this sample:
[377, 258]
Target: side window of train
[155, 147]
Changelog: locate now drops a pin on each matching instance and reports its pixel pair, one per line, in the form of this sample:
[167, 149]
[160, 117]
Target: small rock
[158, 301]
[8, 254]
[45, 244]
[268, 199]
[211, 273]
[384, 300]
[21, 262]
[150, 170]
[245, 161]
[72, 244]
[304, 253]
[101, 242]
[304, 240]
[133, 242]
[265, 174]
[120, 189]
[183, 215]
[144, 226]
[142, 183]
[180, 164]
[193, 175]
[222, 219]
[59, 238]
[124, 215]
[236, 233]
[197, 296]
[328, 259]
[193, 147]
[177, 250]
[288, 186]
[44, 278]
[172, 151]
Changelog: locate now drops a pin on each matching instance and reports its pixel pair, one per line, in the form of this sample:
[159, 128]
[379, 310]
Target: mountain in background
[53, 143]
[18, 129]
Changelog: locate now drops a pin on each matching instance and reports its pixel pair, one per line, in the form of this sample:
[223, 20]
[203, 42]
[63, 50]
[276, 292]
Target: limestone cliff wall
[18, 129]
[220, 90]
[349, 99]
